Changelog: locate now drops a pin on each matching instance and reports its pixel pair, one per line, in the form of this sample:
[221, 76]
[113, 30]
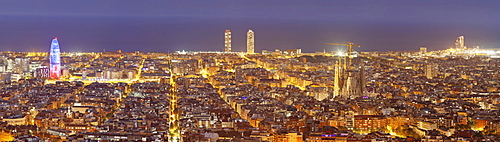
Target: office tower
[22, 65]
[55, 60]
[42, 72]
[431, 70]
[227, 40]
[423, 50]
[18, 65]
[26, 64]
[10, 65]
[250, 42]
[459, 43]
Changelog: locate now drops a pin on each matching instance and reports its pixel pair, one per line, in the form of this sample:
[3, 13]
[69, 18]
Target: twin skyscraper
[250, 41]
[55, 53]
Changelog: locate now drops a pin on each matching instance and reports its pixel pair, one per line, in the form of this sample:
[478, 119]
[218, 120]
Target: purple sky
[161, 25]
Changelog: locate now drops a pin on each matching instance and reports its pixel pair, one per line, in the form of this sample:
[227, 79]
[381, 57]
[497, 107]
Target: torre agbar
[55, 60]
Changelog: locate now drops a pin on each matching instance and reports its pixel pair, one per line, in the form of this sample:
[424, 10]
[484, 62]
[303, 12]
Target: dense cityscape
[272, 96]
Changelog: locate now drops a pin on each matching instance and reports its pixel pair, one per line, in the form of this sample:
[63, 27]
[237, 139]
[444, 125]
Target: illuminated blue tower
[55, 60]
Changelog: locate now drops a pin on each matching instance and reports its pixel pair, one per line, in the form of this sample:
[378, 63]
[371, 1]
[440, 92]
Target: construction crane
[349, 54]
[348, 44]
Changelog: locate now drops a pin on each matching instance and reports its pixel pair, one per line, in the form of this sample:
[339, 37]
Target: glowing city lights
[55, 60]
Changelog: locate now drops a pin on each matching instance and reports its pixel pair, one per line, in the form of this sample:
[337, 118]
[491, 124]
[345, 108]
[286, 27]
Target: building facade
[250, 42]
[55, 60]
[423, 50]
[227, 40]
[460, 43]
[431, 71]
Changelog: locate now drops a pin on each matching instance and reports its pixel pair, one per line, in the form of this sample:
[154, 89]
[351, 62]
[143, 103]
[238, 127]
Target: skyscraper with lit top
[55, 60]
[250, 42]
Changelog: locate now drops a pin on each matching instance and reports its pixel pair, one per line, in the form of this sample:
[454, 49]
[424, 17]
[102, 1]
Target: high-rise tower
[55, 60]
[227, 40]
[423, 50]
[250, 42]
[459, 43]
[431, 70]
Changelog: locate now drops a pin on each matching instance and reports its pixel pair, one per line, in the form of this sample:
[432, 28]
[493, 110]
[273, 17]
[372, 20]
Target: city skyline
[318, 71]
[159, 26]
[206, 96]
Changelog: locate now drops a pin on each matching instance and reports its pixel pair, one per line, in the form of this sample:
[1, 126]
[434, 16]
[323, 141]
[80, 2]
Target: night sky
[167, 26]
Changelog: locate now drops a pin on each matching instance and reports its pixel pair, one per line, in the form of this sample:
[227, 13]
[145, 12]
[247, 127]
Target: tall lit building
[227, 40]
[459, 43]
[42, 72]
[431, 70]
[22, 66]
[250, 42]
[55, 60]
[423, 50]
